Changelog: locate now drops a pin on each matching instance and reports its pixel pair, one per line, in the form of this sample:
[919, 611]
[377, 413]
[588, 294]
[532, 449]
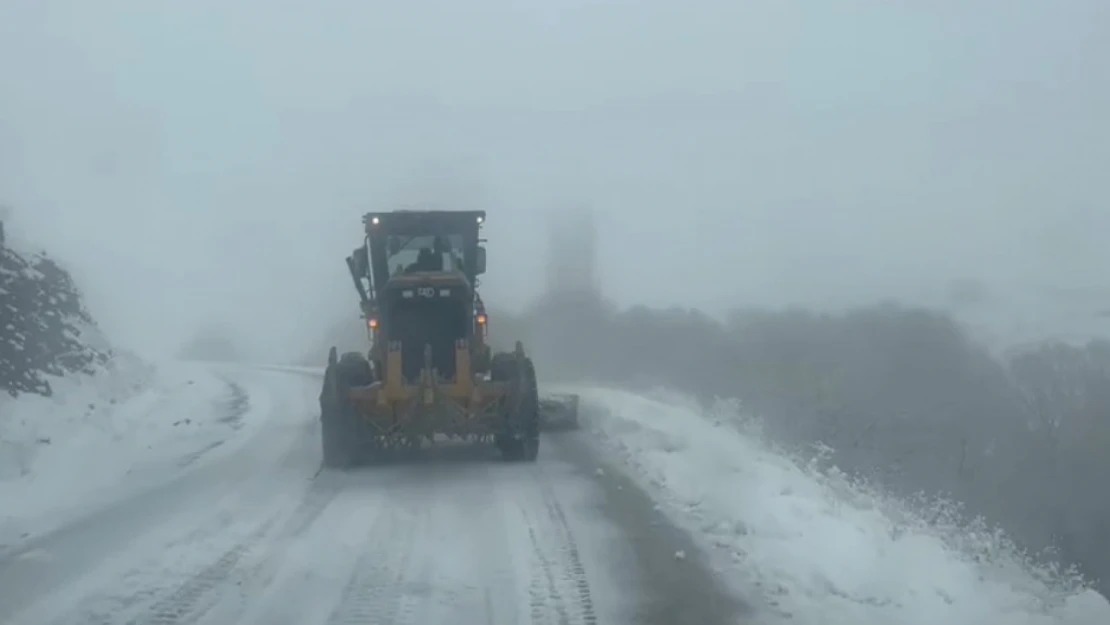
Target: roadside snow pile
[79, 423]
[816, 547]
[103, 436]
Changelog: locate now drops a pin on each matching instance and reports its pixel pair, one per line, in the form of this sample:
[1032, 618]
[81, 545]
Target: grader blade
[559, 412]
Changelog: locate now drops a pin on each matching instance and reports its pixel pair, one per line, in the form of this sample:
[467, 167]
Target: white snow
[315, 371]
[813, 547]
[129, 427]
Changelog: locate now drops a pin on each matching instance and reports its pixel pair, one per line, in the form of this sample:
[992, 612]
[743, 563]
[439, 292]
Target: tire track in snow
[485, 544]
[232, 410]
[376, 590]
[575, 572]
[192, 599]
[559, 589]
[252, 578]
[184, 604]
[543, 590]
[148, 605]
[463, 568]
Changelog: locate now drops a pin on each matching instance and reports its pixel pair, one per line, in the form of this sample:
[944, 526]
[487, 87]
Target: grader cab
[429, 371]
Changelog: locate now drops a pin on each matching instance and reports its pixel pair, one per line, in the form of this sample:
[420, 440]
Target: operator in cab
[426, 260]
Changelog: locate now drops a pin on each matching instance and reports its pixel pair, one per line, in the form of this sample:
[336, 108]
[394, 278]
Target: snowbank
[99, 437]
[302, 369]
[815, 548]
[82, 424]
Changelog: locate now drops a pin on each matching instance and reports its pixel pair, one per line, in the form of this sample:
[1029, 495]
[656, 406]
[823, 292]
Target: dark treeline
[902, 396]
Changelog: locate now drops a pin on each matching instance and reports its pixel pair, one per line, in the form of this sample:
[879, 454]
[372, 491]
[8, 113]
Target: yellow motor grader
[429, 371]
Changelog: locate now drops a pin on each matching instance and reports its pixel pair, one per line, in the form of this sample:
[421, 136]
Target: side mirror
[361, 265]
[480, 260]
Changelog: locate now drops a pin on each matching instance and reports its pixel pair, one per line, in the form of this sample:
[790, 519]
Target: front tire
[519, 440]
[339, 418]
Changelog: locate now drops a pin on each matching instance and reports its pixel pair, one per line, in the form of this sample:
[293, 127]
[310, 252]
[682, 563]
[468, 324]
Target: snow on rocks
[816, 547]
[44, 327]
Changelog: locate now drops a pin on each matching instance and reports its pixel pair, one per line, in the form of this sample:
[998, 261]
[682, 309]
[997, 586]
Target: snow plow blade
[559, 412]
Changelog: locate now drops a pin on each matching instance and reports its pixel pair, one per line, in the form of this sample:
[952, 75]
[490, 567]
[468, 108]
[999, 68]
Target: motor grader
[429, 372]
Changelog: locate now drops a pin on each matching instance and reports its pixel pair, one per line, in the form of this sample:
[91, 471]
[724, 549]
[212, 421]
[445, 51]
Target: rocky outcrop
[44, 326]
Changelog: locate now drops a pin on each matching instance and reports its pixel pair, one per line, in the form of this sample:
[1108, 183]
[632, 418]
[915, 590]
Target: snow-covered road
[262, 536]
[105, 437]
[656, 513]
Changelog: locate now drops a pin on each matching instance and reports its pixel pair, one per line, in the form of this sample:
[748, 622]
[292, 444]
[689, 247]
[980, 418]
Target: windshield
[407, 253]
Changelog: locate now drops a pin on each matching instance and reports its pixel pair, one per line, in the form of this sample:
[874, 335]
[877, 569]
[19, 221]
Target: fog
[207, 162]
[201, 168]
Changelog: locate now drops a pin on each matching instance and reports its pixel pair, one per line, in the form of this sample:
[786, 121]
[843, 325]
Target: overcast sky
[210, 159]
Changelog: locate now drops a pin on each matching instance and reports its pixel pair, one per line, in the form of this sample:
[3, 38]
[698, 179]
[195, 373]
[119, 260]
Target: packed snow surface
[802, 545]
[811, 546]
[131, 426]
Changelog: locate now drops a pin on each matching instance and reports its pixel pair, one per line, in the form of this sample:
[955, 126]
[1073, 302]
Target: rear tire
[339, 418]
[519, 440]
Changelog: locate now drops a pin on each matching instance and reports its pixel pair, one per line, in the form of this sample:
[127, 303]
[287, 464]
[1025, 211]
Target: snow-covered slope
[814, 547]
[80, 423]
[101, 437]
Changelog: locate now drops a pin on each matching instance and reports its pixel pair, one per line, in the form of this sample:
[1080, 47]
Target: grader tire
[519, 440]
[339, 419]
